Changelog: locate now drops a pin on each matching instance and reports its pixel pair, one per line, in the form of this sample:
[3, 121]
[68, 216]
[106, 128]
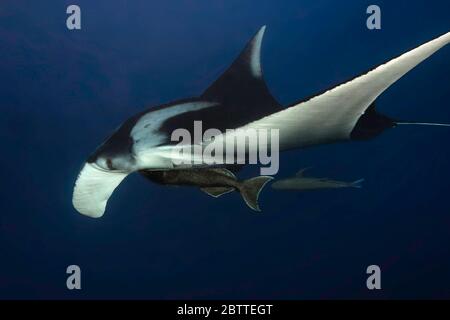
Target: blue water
[62, 92]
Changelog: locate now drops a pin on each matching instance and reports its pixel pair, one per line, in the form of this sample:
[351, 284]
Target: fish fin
[225, 171]
[301, 172]
[250, 190]
[217, 191]
[357, 183]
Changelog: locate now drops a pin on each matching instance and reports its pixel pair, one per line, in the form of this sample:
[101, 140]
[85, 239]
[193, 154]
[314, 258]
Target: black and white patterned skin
[239, 98]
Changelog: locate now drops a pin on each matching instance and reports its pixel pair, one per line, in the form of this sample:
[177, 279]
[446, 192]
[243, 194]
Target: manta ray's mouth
[93, 188]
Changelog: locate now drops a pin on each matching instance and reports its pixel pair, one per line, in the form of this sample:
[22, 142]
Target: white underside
[326, 118]
[332, 116]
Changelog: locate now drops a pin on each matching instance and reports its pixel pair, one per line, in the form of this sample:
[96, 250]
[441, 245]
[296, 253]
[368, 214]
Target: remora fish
[213, 181]
[300, 182]
[240, 99]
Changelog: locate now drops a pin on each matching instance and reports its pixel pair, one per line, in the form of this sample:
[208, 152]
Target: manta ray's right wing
[333, 115]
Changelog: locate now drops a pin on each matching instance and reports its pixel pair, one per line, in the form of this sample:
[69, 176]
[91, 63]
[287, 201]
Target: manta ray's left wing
[240, 91]
[333, 115]
[241, 88]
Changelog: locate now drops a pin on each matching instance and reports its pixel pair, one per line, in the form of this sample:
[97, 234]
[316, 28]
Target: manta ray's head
[113, 155]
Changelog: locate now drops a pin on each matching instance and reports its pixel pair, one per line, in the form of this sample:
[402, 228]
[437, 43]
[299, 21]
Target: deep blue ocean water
[62, 92]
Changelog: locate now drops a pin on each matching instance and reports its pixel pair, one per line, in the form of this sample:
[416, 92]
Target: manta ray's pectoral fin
[242, 84]
[240, 93]
[217, 191]
[333, 115]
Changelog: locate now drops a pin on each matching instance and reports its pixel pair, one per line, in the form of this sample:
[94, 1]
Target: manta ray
[240, 98]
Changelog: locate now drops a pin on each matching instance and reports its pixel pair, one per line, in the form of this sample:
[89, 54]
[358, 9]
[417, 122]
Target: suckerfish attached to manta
[302, 183]
[213, 181]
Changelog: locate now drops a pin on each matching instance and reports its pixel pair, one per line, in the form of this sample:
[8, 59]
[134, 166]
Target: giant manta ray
[239, 98]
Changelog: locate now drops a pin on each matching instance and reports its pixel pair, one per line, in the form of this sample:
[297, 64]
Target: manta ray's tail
[372, 123]
[251, 188]
[422, 123]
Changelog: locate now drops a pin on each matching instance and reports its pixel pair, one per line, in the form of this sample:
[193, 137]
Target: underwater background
[62, 92]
